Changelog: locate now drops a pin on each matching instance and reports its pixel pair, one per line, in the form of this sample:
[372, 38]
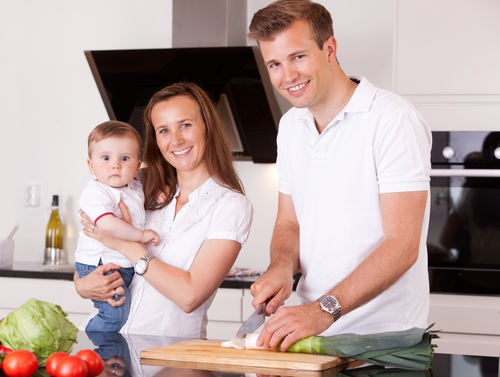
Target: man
[353, 165]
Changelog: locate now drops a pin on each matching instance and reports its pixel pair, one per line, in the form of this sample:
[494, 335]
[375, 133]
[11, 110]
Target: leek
[410, 349]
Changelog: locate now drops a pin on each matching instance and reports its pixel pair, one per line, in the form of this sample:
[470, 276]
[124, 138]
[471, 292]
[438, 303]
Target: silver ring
[115, 294]
[93, 229]
[114, 371]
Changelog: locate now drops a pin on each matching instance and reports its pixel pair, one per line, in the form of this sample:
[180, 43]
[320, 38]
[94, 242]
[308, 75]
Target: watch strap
[146, 258]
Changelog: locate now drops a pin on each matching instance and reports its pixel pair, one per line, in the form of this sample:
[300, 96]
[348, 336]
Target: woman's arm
[187, 289]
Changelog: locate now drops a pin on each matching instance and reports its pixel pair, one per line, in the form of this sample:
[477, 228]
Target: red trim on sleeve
[104, 214]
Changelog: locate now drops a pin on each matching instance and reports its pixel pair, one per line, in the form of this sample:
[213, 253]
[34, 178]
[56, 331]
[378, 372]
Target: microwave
[463, 242]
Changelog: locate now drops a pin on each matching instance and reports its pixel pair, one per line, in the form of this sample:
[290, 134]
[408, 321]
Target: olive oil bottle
[54, 237]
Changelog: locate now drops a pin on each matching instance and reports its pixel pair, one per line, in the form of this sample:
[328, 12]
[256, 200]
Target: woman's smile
[182, 152]
[181, 134]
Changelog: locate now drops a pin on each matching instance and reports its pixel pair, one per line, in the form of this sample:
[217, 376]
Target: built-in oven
[464, 229]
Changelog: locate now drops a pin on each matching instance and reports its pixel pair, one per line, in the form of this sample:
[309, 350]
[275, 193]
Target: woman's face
[181, 134]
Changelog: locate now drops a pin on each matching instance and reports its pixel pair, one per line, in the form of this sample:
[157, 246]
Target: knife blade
[256, 319]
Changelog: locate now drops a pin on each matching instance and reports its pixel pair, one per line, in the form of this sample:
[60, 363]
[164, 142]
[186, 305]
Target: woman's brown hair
[159, 176]
[279, 15]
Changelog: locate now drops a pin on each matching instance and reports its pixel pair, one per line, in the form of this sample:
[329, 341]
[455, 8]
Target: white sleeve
[232, 218]
[96, 201]
[402, 153]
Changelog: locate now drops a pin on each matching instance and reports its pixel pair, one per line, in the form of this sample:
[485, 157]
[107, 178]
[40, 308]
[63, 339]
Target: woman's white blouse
[212, 212]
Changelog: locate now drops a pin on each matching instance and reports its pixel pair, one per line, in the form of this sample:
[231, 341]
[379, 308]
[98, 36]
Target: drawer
[226, 305]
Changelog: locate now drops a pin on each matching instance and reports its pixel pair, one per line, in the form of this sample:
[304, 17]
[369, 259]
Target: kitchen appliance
[253, 322]
[210, 50]
[464, 230]
[234, 77]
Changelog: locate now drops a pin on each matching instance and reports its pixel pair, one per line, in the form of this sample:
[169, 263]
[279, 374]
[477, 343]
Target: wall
[442, 55]
[49, 101]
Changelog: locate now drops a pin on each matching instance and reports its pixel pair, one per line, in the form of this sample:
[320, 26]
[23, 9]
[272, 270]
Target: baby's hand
[150, 236]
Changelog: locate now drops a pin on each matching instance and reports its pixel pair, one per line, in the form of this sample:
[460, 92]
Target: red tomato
[20, 363]
[94, 362]
[71, 366]
[52, 362]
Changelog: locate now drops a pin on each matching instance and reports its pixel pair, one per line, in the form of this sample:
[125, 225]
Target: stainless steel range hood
[209, 48]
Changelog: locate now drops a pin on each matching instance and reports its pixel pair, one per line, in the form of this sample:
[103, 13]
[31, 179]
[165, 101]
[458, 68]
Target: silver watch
[330, 305]
[141, 266]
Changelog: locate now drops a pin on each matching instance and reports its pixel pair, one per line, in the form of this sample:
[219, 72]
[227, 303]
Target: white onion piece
[251, 342]
[227, 344]
[235, 343]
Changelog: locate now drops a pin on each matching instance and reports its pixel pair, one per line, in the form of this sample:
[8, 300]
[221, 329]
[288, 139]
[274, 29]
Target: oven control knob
[497, 153]
[448, 152]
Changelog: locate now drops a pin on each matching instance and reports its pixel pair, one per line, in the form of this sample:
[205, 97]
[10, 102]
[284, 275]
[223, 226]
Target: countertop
[33, 270]
[124, 352]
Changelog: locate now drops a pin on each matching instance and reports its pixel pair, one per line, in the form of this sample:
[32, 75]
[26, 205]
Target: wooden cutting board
[210, 353]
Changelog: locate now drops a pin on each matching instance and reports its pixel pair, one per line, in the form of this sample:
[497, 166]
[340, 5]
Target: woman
[195, 202]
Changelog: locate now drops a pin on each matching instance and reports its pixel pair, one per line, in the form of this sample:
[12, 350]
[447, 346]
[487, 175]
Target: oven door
[464, 231]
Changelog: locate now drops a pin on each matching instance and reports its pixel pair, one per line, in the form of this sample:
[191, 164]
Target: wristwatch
[141, 266]
[330, 305]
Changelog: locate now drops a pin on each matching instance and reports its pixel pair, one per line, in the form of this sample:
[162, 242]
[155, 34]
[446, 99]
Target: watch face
[329, 303]
[140, 266]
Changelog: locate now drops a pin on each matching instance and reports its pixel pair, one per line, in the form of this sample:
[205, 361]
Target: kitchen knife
[256, 319]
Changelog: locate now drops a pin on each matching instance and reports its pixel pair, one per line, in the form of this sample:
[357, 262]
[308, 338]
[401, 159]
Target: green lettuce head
[40, 327]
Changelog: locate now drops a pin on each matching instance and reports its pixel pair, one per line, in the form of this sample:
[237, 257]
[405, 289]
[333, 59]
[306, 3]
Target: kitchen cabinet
[468, 324]
[230, 308]
[446, 64]
[16, 291]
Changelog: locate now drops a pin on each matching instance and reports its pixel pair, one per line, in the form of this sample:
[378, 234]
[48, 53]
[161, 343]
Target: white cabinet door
[470, 325]
[447, 47]
[16, 291]
[224, 315]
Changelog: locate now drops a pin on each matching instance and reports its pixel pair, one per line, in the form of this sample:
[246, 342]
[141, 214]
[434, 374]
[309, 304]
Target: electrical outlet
[32, 195]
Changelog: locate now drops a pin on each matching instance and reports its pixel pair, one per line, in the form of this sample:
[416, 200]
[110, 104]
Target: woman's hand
[101, 287]
[125, 213]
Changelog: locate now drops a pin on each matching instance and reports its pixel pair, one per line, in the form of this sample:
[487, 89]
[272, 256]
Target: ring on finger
[115, 295]
[114, 371]
[93, 228]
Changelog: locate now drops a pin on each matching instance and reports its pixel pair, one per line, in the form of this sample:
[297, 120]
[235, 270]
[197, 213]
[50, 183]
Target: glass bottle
[54, 236]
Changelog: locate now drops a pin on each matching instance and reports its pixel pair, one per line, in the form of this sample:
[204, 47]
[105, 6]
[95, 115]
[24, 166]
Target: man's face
[298, 69]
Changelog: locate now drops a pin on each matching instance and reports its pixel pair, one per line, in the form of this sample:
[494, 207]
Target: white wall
[441, 54]
[49, 101]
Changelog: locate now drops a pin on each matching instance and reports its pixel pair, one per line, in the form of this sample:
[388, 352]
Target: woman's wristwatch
[141, 266]
[330, 305]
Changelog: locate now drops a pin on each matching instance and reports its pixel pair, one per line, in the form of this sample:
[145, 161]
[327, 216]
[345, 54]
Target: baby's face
[115, 161]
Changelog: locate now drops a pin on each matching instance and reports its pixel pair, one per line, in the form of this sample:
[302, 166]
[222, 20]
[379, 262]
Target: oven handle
[465, 172]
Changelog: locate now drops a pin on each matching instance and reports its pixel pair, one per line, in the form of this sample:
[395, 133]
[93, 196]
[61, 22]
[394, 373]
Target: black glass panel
[128, 78]
[464, 230]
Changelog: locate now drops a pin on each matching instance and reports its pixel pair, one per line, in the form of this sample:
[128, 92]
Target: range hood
[234, 76]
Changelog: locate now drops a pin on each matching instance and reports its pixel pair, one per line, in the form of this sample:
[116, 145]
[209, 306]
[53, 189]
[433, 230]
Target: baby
[114, 150]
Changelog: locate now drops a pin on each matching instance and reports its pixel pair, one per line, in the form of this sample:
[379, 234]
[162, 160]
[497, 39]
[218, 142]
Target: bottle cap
[55, 200]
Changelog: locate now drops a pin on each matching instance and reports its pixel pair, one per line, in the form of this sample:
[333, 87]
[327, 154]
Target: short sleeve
[96, 202]
[402, 151]
[232, 218]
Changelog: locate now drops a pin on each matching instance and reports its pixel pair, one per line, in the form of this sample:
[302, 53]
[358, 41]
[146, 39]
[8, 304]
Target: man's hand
[275, 286]
[292, 323]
